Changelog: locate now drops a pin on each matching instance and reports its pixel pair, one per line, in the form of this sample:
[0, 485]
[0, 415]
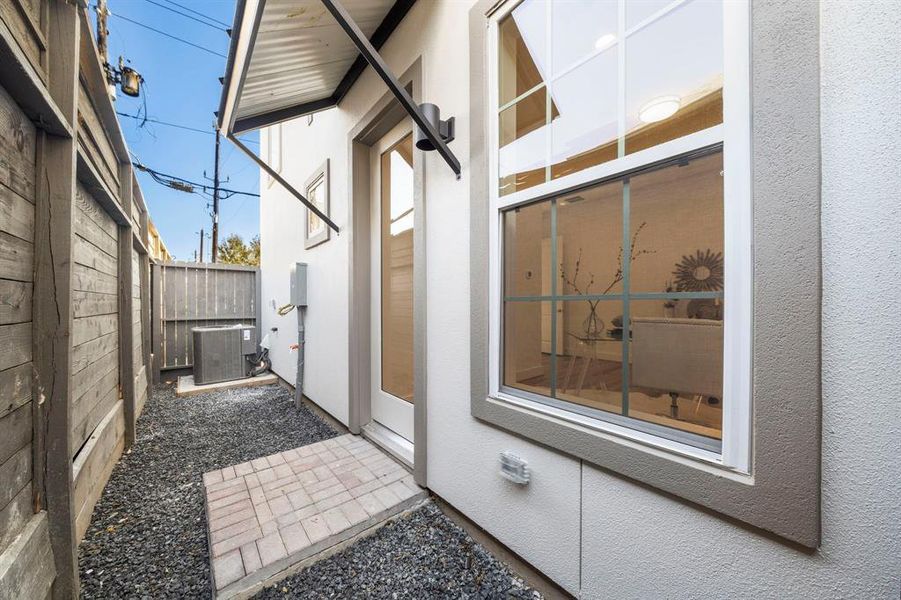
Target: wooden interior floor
[602, 389]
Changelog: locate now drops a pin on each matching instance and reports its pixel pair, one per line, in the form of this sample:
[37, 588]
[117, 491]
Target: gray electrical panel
[299, 284]
[219, 352]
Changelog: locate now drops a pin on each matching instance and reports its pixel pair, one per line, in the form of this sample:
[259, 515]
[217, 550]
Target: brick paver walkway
[267, 515]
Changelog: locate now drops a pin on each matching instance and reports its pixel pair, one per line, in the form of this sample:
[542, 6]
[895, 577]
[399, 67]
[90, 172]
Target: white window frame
[319, 177]
[274, 150]
[735, 136]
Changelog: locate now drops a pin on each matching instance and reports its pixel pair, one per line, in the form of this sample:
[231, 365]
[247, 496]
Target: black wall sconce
[444, 128]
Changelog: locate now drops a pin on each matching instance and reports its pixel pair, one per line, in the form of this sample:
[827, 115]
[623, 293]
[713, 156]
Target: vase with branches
[593, 326]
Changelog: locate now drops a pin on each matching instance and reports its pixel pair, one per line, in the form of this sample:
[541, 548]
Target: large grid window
[621, 269]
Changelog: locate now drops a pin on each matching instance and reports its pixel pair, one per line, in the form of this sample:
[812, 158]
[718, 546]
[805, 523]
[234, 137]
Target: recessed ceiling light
[659, 109]
[605, 41]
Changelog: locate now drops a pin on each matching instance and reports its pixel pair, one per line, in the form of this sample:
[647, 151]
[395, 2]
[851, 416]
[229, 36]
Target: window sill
[635, 438]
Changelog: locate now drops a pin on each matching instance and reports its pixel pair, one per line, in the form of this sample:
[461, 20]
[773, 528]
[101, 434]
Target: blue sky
[182, 87]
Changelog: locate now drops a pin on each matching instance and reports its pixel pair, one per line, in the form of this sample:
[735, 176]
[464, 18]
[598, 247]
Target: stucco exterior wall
[640, 544]
[585, 528]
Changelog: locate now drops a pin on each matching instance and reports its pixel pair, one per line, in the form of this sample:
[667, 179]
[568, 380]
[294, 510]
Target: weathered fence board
[95, 384]
[137, 318]
[15, 474]
[96, 139]
[15, 301]
[14, 515]
[94, 464]
[15, 387]
[192, 295]
[26, 20]
[18, 157]
[15, 432]
[29, 572]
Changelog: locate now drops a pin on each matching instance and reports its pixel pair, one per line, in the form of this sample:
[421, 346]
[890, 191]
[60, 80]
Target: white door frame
[381, 118]
[386, 409]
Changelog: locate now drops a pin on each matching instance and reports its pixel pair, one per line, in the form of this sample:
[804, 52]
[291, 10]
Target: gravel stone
[147, 537]
[419, 555]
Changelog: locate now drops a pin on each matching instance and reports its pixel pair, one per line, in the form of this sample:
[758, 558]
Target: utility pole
[215, 248]
[102, 31]
[200, 256]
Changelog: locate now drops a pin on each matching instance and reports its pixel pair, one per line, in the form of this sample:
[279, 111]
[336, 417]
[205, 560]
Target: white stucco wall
[639, 544]
[282, 244]
[636, 542]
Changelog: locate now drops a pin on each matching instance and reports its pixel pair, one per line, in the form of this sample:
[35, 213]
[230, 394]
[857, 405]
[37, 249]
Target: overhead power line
[176, 125]
[191, 10]
[185, 15]
[169, 35]
[186, 185]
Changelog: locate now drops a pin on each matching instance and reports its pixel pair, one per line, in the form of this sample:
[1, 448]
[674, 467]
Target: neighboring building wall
[587, 529]
[155, 246]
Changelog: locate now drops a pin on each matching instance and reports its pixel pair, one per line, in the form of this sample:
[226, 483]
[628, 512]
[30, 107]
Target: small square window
[316, 230]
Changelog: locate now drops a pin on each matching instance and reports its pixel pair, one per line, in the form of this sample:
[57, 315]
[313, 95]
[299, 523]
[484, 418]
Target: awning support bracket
[375, 61]
[281, 180]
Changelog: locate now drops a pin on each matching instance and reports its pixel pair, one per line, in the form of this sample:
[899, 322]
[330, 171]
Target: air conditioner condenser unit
[220, 352]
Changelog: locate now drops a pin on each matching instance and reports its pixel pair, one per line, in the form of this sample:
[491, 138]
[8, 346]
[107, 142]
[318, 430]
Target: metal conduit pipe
[298, 384]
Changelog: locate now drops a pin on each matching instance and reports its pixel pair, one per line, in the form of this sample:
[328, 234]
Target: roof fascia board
[246, 124]
[251, 12]
[266, 119]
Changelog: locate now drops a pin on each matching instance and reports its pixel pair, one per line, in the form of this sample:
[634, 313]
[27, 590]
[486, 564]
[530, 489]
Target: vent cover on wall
[514, 468]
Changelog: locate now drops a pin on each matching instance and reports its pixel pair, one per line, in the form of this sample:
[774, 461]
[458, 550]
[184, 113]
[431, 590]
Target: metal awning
[290, 58]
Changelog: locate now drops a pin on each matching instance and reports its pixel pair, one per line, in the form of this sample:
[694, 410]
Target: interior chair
[678, 356]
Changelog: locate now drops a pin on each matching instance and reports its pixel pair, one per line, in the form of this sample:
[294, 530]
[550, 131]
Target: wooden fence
[74, 267]
[188, 295]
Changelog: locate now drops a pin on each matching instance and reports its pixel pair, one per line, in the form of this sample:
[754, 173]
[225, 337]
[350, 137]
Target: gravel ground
[147, 537]
[423, 555]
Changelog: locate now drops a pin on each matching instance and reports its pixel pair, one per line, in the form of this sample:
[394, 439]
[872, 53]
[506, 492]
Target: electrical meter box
[299, 284]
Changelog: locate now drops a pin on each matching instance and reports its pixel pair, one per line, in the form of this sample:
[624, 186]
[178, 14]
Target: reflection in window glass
[613, 89]
[523, 142]
[674, 75]
[639, 10]
[581, 28]
[523, 50]
[584, 130]
[397, 269]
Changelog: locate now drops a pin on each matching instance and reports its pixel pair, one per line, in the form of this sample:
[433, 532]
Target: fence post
[146, 300]
[126, 308]
[52, 302]
[156, 319]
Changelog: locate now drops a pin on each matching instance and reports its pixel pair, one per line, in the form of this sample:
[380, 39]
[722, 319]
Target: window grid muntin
[625, 297]
[552, 76]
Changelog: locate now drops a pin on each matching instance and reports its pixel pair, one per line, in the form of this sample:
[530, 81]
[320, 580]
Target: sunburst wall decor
[702, 272]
